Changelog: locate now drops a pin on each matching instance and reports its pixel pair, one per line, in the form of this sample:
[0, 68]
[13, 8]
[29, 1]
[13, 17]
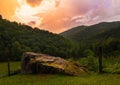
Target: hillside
[85, 33]
[18, 38]
[106, 33]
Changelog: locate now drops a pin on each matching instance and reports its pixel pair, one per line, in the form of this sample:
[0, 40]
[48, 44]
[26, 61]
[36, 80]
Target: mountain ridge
[85, 32]
[90, 38]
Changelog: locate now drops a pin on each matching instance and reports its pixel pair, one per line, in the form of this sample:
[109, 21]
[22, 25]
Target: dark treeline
[90, 38]
[18, 38]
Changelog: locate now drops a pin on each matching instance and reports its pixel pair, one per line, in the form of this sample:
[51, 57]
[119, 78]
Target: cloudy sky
[60, 15]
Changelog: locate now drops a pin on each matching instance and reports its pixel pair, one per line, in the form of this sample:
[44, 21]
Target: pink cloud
[61, 15]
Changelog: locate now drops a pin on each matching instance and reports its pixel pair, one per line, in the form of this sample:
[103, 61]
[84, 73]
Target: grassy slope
[85, 79]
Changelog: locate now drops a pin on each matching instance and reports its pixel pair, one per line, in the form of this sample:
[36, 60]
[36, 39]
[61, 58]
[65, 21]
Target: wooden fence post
[8, 63]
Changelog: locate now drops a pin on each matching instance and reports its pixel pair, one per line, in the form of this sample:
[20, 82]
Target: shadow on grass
[11, 74]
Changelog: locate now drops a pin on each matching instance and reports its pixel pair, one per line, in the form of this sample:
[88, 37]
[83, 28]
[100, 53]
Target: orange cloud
[34, 3]
[56, 20]
[60, 15]
[7, 8]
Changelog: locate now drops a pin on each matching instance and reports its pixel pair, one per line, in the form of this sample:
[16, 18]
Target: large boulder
[41, 63]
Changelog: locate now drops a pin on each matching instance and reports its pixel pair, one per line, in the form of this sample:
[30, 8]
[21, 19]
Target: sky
[60, 15]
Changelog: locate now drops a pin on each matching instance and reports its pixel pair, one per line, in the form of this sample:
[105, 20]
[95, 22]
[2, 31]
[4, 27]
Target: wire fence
[14, 69]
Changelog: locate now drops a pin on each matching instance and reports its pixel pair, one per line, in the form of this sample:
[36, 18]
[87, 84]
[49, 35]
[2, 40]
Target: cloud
[56, 20]
[7, 8]
[89, 12]
[60, 15]
[79, 12]
[34, 3]
[32, 23]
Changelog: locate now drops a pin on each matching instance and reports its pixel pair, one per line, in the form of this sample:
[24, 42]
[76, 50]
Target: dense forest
[16, 38]
[82, 41]
[90, 38]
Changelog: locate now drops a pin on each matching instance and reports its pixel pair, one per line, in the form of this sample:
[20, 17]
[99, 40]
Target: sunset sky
[60, 15]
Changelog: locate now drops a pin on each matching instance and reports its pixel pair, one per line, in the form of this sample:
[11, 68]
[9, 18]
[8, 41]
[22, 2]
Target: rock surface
[41, 63]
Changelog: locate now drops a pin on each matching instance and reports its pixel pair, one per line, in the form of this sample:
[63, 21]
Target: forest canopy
[16, 38]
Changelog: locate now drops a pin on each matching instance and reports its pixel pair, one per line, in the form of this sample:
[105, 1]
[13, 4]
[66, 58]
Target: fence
[14, 68]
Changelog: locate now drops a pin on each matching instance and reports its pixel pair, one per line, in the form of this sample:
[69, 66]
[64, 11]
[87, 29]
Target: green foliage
[112, 48]
[18, 38]
[88, 52]
[104, 34]
[110, 64]
[90, 62]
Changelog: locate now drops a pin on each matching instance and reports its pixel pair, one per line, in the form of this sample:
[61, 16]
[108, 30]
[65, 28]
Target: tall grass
[110, 64]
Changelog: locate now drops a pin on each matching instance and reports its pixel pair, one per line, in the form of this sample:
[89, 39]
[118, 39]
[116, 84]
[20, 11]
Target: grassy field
[90, 78]
[15, 66]
[93, 79]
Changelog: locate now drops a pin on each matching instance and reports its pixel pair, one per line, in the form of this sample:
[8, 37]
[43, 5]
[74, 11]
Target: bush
[90, 62]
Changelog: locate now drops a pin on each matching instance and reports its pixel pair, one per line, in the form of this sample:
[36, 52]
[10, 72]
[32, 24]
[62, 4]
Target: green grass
[89, 79]
[3, 68]
[49, 79]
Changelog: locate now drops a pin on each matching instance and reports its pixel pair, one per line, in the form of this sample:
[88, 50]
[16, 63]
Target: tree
[7, 44]
[0, 16]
